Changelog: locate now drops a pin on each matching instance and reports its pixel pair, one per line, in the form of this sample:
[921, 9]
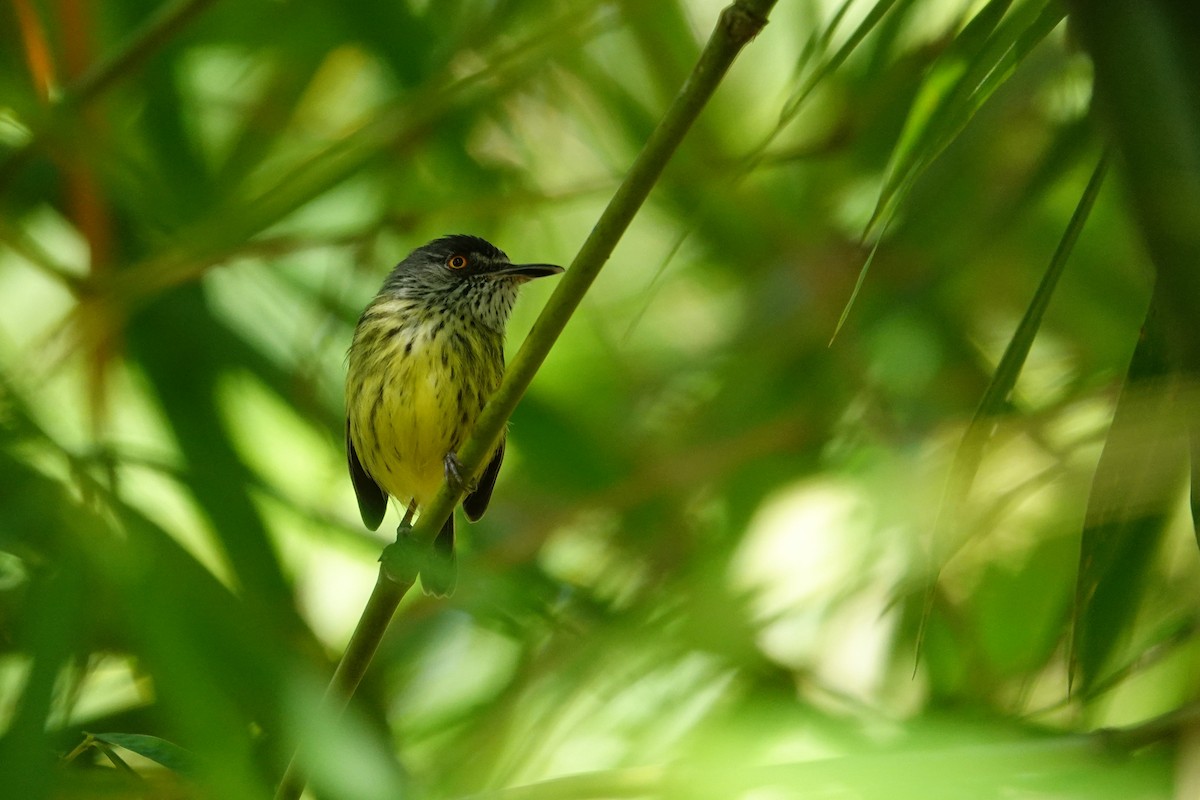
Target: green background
[719, 539]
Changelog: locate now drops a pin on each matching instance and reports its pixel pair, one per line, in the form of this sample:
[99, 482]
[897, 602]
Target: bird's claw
[454, 475]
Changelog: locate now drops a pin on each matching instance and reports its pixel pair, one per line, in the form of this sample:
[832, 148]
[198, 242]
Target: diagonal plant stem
[738, 24]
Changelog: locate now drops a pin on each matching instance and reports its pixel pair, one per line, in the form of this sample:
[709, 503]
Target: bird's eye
[456, 262]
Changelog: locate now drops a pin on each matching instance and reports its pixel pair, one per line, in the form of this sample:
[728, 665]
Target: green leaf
[160, 751]
[1134, 493]
[969, 454]
[979, 60]
[1146, 64]
[830, 64]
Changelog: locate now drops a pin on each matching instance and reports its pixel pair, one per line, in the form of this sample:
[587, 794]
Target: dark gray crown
[464, 244]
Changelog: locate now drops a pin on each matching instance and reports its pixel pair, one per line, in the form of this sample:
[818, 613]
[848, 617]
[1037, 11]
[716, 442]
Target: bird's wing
[477, 501]
[372, 500]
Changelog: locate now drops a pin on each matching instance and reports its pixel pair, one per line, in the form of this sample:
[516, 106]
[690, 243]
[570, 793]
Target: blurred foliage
[718, 538]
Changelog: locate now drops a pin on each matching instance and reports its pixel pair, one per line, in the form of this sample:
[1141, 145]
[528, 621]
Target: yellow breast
[413, 395]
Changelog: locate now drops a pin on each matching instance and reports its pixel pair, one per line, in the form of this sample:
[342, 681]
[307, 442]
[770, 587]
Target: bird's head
[464, 274]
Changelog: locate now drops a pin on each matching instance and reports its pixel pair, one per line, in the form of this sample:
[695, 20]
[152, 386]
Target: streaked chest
[415, 387]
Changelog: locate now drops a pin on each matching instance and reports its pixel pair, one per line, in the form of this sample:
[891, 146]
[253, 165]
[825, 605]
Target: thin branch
[738, 24]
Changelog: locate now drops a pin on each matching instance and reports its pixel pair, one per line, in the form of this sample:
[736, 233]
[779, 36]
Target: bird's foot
[454, 475]
[406, 522]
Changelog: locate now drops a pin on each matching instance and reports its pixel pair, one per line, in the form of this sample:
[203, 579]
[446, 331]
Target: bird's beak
[525, 271]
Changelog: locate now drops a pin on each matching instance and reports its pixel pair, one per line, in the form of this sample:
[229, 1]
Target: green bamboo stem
[738, 24]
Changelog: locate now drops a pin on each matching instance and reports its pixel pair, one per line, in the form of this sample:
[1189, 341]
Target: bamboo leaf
[1134, 492]
[1145, 66]
[160, 751]
[969, 454]
[833, 62]
[979, 60]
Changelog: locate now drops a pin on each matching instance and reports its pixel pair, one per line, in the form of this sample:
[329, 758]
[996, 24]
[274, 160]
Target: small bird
[426, 355]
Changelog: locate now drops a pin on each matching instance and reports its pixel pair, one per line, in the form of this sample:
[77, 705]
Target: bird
[426, 354]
